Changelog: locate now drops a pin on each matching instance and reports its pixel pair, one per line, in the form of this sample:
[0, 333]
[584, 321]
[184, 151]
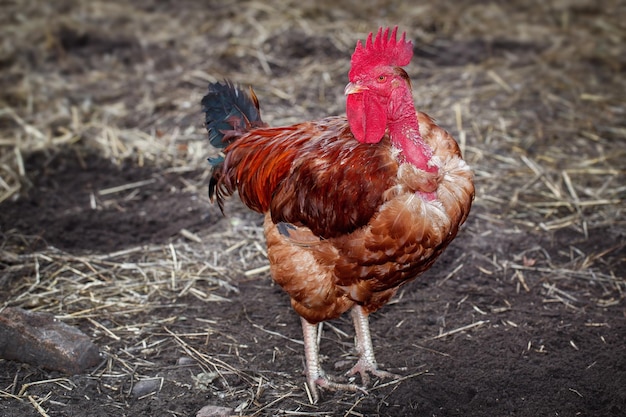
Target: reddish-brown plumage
[403, 238]
[354, 206]
[360, 224]
[311, 174]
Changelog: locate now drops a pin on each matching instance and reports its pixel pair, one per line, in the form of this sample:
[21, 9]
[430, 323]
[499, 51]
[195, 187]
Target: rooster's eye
[381, 78]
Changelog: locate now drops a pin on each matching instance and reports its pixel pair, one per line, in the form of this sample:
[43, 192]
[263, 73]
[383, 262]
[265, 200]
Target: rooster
[355, 206]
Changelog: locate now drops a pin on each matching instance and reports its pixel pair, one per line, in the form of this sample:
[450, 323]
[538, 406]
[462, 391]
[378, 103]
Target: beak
[354, 88]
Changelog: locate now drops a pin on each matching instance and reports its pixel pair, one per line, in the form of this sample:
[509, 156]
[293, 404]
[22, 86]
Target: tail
[229, 113]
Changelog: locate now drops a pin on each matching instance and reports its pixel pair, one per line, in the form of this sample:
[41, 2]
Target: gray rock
[41, 340]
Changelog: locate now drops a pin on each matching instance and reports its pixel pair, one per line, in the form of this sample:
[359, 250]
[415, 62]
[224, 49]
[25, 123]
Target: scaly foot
[367, 362]
[314, 375]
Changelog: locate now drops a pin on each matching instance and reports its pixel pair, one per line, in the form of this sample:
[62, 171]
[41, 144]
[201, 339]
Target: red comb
[383, 50]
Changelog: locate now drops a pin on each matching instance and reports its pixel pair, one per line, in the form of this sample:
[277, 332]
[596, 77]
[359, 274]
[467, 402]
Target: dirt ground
[105, 220]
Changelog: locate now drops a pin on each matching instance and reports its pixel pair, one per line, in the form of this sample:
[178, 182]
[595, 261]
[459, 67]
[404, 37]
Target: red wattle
[366, 117]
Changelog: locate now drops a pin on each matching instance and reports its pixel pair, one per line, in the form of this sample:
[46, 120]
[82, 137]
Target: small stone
[215, 411]
[185, 360]
[146, 386]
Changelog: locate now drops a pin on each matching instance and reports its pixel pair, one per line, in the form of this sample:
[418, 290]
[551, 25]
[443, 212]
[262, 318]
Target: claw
[322, 381]
[365, 368]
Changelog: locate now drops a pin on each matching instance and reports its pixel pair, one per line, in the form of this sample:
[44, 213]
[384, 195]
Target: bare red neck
[405, 134]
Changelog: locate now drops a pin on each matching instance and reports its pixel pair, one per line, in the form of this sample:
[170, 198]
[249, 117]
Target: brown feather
[313, 174]
[402, 238]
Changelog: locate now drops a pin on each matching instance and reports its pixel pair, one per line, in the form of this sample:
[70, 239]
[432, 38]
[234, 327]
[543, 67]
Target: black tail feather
[229, 113]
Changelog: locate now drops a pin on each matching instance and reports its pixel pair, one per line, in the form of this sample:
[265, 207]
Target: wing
[313, 174]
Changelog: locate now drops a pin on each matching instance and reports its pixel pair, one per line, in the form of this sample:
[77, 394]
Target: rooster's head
[375, 75]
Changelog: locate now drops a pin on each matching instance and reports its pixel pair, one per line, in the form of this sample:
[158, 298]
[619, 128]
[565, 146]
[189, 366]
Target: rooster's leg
[367, 362]
[314, 375]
